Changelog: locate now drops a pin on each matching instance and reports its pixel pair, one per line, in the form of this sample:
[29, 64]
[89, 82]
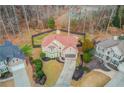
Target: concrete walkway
[21, 78]
[66, 74]
[111, 74]
[20, 75]
[117, 81]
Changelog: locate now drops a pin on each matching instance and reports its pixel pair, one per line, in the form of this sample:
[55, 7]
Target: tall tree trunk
[26, 20]
[16, 20]
[112, 13]
[10, 23]
[3, 25]
[84, 21]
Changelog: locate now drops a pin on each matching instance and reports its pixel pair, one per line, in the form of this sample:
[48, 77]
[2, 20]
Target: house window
[115, 62]
[118, 57]
[100, 55]
[51, 48]
[107, 58]
[70, 55]
[108, 52]
[3, 68]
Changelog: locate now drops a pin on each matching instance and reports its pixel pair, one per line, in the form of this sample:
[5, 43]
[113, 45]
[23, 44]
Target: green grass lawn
[52, 69]
[38, 39]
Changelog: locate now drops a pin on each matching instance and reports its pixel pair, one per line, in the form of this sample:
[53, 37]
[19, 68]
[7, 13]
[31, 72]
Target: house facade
[69, 53]
[60, 46]
[111, 52]
[3, 66]
[8, 51]
[13, 60]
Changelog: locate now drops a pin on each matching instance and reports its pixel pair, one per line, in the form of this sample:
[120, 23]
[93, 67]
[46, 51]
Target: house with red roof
[60, 46]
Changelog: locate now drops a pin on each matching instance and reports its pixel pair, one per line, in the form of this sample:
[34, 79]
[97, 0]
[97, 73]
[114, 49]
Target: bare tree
[26, 20]
[1, 20]
[10, 23]
[16, 20]
[110, 18]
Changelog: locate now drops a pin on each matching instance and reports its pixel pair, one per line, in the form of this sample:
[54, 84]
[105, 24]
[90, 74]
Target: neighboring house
[111, 52]
[13, 60]
[8, 51]
[61, 46]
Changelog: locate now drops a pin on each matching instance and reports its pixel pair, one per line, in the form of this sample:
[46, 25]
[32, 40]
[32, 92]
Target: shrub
[38, 68]
[86, 69]
[87, 57]
[74, 24]
[39, 74]
[116, 21]
[51, 23]
[27, 50]
[38, 64]
[87, 45]
[116, 18]
[42, 55]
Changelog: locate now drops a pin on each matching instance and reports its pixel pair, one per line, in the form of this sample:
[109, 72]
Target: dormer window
[119, 57]
[8, 59]
[107, 58]
[108, 52]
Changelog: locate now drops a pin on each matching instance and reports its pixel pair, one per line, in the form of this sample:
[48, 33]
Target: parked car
[43, 80]
[78, 73]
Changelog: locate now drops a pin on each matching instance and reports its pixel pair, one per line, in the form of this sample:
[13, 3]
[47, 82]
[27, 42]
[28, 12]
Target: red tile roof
[66, 40]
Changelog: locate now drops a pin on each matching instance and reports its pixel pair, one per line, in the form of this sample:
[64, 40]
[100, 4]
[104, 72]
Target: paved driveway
[66, 74]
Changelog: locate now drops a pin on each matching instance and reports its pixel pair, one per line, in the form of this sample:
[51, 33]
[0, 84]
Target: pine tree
[116, 19]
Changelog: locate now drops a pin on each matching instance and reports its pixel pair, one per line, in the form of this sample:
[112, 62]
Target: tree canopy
[118, 19]
[87, 57]
[27, 50]
[38, 68]
[87, 44]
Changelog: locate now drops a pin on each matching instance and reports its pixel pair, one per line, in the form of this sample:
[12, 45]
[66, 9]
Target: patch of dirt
[93, 79]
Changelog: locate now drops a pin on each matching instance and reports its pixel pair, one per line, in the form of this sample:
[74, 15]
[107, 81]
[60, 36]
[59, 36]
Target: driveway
[66, 74]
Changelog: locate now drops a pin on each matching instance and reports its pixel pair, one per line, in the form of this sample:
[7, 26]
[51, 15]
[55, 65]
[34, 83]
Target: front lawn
[52, 69]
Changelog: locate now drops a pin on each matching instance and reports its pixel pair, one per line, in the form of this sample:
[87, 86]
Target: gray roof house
[8, 51]
[111, 52]
[113, 56]
[12, 60]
